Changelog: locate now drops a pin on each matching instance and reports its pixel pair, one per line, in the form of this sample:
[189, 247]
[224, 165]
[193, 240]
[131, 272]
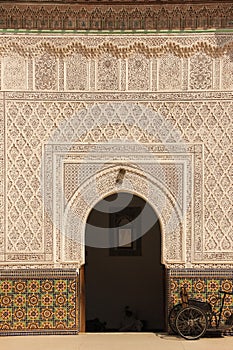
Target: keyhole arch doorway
[131, 274]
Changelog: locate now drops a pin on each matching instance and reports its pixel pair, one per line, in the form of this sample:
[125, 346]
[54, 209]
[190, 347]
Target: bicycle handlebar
[223, 292]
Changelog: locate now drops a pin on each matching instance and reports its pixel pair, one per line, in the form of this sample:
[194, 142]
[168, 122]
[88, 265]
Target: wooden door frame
[82, 299]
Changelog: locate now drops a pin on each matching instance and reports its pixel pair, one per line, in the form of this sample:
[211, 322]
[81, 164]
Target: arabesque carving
[195, 121]
[104, 183]
[198, 115]
[118, 51]
[105, 63]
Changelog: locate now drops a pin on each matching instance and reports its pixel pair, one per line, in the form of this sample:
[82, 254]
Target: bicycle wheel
[172, 317]
[191, 323]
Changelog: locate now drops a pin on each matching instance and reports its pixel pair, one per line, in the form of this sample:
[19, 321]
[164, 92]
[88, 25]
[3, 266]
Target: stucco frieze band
[117, 51]
[107, 63]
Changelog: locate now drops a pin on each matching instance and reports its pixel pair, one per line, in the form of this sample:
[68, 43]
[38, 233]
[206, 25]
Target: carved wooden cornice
[154, 2]
[116, 15]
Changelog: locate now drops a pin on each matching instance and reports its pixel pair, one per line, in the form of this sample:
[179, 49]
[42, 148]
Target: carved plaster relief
[14, 72]
[170, 72]
[76, 72]
[2, 179]
[201, 72]
[105, 63]
[46, 72]
[200, 121]
[227, 72]
[168, 167]
[107, 72]
[139, 72]
[198, 115]
[74, 226]
[94, 174]
[191, 128]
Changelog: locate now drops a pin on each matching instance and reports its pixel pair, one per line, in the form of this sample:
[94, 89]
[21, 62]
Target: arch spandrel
[75, 157]
[135, 182]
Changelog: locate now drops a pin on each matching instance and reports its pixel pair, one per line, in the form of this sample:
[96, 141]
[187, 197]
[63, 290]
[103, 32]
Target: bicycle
[192, 318]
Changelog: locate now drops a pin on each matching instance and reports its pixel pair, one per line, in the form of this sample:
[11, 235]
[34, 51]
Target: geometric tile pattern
[38, 305]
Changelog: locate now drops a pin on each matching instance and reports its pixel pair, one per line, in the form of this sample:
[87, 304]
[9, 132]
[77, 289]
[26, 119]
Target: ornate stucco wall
[55, 89]
[161, 105]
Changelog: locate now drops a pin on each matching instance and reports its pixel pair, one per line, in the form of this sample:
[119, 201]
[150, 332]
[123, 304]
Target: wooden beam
[82, 299]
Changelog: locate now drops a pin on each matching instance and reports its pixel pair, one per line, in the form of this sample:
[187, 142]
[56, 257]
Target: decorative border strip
[199, 272]
[112, 1]
[214, 51]
[2, 177]
[33, 332]
[119, 96]
[120, 15]
[40, 273]
[115, 32]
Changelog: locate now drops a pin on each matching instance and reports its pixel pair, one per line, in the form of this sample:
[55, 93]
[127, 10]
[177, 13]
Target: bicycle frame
[219, 317]
[192, 318]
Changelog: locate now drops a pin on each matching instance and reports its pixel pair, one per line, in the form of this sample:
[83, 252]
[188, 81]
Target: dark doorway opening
[130, 275]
